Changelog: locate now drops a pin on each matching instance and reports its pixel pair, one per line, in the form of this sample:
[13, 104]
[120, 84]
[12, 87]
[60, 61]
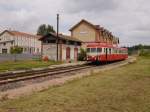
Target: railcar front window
[99, 50]
[88, 49]
[93, 49]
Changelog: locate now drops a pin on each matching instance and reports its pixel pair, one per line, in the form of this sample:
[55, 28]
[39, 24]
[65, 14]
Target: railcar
[102, 52]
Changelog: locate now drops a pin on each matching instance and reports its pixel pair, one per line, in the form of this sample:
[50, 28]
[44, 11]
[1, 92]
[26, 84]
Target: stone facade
[29, 43]
[68, 47]
[87, 32]
[49, 50]
[84, 32]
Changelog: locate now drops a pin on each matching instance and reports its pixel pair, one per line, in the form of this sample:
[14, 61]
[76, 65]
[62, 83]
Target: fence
[11, 57]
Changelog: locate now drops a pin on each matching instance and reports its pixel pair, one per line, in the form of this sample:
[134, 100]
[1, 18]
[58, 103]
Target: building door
[68, 53]
[75, 54]
[4, 51]
[60, 56]
[30, 50]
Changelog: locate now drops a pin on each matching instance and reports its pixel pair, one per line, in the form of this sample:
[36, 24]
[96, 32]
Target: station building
[28, 42]
[68, 47]
[89, 33]
[82, 34]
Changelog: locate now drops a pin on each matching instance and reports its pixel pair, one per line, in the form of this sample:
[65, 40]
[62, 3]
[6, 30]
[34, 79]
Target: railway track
[16, 77]
[8, 78]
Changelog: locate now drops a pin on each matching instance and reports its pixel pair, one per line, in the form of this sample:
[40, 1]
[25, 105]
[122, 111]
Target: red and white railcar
[103, 52]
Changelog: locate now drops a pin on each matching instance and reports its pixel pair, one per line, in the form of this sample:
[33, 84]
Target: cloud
[127, 19]
[27, 15]
[77, 6]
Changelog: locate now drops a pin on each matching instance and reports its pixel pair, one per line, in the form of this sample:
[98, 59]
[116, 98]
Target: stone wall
[84, 32]
[50, 50]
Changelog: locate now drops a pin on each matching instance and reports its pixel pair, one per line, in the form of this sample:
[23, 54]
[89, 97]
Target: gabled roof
[21, 34]
[96, 27]
[66, 37]
[61, 36]
[85, 21]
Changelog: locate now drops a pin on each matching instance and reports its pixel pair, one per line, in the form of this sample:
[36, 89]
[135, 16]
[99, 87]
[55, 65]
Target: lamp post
[57, 40]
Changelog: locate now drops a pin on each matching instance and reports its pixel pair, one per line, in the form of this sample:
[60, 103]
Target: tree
[45, 29]
[50, 29]
[82, 55]
[16, 50]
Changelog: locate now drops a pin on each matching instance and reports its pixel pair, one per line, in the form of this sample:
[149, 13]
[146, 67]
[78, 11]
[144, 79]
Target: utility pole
[57, 40]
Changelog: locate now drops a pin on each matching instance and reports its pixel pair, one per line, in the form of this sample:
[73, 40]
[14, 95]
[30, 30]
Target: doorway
[68, 53]
[75, 54]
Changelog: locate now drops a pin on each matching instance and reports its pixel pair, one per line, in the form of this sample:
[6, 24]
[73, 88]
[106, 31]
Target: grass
[26, 64]
[125, 89]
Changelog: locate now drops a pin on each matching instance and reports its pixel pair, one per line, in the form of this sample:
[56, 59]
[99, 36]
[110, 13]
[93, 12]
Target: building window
[25, 49]
[4, 44]
[83, 32]
[37, 50]
[11, 43]
[33, 49]
[4, 51]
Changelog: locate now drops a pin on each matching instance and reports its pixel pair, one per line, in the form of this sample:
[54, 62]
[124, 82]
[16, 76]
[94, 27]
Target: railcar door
[106, 53]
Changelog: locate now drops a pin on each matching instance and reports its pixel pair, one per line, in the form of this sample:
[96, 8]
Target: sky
[127, 19]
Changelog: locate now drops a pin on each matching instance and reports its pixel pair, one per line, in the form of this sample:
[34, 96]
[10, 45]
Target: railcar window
[93, 49]
[120, 51]
[99, 50]
[125, 52]
[88, 49]
[117, 51]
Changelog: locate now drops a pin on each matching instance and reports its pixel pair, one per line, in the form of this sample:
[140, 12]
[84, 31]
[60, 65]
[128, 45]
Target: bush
[144, 52]
[45, 58]
[16, 50]
[82, 55]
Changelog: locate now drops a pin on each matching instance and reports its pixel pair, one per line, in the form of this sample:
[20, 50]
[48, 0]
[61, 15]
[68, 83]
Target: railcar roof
[105, 45]
[100, 45]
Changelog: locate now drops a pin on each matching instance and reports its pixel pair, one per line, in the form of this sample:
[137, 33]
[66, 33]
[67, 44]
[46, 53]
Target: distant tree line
[139, 49]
